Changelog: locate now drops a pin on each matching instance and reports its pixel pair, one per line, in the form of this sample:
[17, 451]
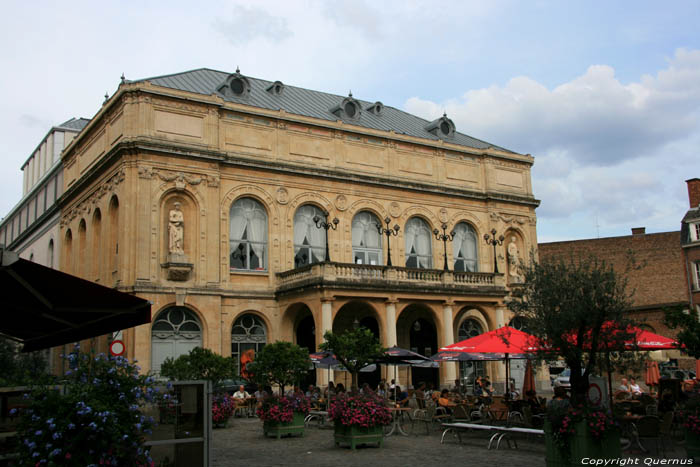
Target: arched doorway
[354, 315]
[306, 339]
[248, 337]
[175, 332]
[417, 332]
[469, 371]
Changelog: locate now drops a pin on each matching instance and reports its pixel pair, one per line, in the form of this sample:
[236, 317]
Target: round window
[237, 86]
[350, 109]
[445, 128]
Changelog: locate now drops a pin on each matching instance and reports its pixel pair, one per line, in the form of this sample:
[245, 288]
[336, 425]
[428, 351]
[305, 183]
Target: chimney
[639, 230]
[693, 192]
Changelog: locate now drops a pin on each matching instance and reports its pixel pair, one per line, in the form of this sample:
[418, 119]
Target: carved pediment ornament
[509, 219]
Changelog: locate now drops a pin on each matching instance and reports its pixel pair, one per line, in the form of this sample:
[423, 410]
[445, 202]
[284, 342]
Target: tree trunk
[579, 383]
[353, 381]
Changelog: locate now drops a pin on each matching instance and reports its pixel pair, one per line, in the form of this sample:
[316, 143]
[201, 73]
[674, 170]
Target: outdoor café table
[396, 414]
[629, 431]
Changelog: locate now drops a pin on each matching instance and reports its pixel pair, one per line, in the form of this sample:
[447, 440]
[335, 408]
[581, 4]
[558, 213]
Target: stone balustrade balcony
[389, 278]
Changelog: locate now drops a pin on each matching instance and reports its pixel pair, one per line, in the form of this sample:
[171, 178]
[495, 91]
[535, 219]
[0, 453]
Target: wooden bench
[501, 432]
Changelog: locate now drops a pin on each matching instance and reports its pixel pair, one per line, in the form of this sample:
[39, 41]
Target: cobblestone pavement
[243, 444]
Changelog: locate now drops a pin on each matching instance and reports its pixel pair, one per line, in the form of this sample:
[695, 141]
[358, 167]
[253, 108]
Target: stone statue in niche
[176, 231]
[513, 261]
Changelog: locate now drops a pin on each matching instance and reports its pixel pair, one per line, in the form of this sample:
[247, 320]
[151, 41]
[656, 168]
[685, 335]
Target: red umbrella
[652, 376]
[639, 339]
[529, 380]
[505, 340]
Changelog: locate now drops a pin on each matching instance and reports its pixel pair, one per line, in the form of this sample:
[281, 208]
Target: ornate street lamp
[494, 241]
[444, 237]
[388, 232]
[323, 224]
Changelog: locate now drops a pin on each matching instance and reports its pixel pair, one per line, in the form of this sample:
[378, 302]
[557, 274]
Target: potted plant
[359, 419]
[575, 433]
[222, 408]
[690, 417]
[283, 415]
[569, 307]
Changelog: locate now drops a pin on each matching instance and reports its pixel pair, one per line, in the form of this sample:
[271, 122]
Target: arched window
[175, 332]
[418, 241]
[49, 260]
[68, 248]
[518, 323]
[248, 336]
[113, 247]
[96, 235]
[366, 241]
[80, 266]
[248, 235]
[309, 241]
[469, 328]
[464, 248]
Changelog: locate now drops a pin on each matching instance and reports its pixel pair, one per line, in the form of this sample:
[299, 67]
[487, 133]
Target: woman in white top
[635, 390]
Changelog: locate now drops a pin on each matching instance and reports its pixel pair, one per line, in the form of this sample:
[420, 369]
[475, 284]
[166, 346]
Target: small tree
[571, 306]
[21, 369]
[355, 349]
[281, 363]
[198, 364]
[688, 326]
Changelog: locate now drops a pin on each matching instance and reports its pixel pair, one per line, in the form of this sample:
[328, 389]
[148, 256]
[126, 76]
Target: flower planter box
[278, 429]
[581, 444]
[358, 435]
[692, 445]
[221, 424]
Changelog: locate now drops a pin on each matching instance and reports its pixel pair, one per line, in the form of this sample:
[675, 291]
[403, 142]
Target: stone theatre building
[203, 191]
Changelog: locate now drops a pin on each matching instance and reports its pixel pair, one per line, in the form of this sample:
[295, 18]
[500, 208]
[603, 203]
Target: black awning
[42, 307]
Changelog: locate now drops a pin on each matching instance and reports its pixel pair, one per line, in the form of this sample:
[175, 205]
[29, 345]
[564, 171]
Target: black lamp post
[444, 237]
[388, 232]
[322, 224]
[494, 241]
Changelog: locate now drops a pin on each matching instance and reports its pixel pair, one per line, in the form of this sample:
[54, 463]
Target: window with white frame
[696, 275]
[366, 241]
[309, 240]
[694, 231]
[248, 235]
[464, 248]
[418, 244]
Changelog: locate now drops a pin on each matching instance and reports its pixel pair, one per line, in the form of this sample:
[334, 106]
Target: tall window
[695, 232]
[248, 235]
[175, 332]
[418, 241]
[49, 260]
[696, 275]
[366, 241]
[309, 241]
[248, 336]
[464, 248]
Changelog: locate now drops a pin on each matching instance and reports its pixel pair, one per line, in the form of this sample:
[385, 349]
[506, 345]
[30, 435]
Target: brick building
[690, 241]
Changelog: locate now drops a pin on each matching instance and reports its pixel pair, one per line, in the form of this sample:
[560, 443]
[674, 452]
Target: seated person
[486, 392]
[634, 388]
[420, 396]
[534, 403]
[241, 393]
[513, 393]
[560, 401]
[381, 390]
[624, 386]
[401, 396]
[444, 401]
[330, 390]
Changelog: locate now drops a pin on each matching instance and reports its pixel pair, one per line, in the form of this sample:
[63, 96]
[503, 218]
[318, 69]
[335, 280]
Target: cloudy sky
[605, 95]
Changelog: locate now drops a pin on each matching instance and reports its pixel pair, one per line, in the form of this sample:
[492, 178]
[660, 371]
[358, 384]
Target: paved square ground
[242, 443]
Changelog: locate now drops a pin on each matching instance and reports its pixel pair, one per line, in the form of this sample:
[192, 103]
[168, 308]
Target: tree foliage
[570, 305]
[280, 363]
[688, 326]
[21, 369]
[198, 364]
[355, 349]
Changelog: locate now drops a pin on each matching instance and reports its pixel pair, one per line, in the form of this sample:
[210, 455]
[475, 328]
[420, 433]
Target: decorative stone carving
[213, 181]
[394, 209]
[443, 215]
[513, 261]
[145, 172]
[341, 202]
[177, 271]
[508, 219]
[176, 230]
[282, 195]
[86, 205]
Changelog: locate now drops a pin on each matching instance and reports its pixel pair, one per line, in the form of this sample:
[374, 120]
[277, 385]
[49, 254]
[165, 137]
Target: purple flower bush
[362, 410]
[95, 420]
[222, 408]
[281, 409]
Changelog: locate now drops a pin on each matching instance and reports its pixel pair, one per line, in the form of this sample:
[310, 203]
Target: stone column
[326, 325]
[500, 380]
[390, 317]
[450, 367]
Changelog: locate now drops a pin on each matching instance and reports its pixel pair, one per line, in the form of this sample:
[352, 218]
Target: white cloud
[602, 148]
[246, 24]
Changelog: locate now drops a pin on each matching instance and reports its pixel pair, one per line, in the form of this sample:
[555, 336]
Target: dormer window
[376, 108]
[443, 127]
[349, 109]
[276, 88]
[236, 85]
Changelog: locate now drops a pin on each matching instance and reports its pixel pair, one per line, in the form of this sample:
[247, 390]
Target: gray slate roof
[316, 104]
[74, 124]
